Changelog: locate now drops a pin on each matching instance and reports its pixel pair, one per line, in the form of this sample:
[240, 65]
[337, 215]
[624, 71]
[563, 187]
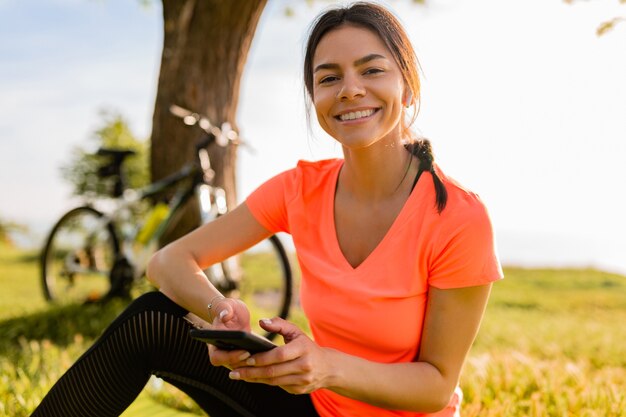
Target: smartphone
[233, 340]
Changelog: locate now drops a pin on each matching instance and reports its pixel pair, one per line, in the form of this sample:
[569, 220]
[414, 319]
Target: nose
[351, 88]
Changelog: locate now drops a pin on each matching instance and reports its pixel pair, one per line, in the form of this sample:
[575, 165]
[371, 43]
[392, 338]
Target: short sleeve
[465, 253]
[268, 203]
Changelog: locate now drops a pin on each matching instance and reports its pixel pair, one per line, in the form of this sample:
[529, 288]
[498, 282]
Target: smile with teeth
[356, 115]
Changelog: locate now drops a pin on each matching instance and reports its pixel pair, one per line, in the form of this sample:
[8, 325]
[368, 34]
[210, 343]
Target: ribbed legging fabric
[151, 338]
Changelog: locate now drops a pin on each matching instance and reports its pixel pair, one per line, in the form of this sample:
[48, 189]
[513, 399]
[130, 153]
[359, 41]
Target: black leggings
[150, 338]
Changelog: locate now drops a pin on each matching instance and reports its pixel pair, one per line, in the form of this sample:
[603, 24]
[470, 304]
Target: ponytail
[422, 149]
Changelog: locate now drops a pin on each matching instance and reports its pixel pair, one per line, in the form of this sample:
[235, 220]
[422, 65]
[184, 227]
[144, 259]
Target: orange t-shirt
[376, 310]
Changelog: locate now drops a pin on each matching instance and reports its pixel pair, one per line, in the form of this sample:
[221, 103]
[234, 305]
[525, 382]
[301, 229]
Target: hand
[229, 314]
[299, 367]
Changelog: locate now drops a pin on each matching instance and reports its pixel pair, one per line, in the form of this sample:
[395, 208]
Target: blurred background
[524, 103]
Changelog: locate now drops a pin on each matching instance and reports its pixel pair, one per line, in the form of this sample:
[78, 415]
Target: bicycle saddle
[117, 154]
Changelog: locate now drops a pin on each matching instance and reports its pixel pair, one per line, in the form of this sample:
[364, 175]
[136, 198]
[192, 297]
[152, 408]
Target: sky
[524, 104]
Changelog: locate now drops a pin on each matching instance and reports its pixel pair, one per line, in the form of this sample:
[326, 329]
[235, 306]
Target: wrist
[333, 376]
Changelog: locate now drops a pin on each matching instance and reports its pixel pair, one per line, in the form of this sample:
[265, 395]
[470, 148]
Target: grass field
[552, 343]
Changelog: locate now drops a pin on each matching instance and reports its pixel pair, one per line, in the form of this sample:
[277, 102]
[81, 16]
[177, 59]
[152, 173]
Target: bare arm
[452, 320]
[177, 268]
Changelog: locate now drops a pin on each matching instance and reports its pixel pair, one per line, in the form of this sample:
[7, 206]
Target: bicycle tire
[78, 256]
[262, 277]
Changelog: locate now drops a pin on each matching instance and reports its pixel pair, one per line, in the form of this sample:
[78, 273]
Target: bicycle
[96, 251]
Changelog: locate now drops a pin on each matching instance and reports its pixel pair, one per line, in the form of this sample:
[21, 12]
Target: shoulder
[315, 168]
[465, 211]
[304, 178]
[292, 192]
[462, 202]
[313, 176]
[464, 250]
[312, 169]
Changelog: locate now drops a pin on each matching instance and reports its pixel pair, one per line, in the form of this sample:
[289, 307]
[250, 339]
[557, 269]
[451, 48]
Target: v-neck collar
[397, 222]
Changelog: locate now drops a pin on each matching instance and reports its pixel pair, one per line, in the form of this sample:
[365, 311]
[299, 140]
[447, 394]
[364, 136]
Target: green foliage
[82, 168]
[7, 228]
[608, 25]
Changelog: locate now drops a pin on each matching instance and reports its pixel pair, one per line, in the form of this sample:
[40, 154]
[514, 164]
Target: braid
[423, 150]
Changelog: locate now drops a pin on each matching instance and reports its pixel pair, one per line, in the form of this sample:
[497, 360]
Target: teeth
[356, 115]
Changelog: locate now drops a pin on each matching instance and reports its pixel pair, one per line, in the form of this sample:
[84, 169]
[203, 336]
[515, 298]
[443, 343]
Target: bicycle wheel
[78, 257]
[261, 277]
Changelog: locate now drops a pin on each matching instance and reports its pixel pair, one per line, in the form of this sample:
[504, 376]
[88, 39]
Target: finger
[286, 329]
[223, 311]
[231, 314]
[229, 363]
[278, 355]
[293, 383]
[263, 374]
[228, 358]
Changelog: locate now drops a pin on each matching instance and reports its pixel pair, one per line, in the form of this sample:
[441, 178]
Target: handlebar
[222, 136]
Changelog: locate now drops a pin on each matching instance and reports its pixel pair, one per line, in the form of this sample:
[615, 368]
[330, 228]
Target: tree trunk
[205, 46]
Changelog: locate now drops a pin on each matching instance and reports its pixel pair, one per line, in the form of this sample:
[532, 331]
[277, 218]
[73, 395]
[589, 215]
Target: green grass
[38, 342]
[552, 344]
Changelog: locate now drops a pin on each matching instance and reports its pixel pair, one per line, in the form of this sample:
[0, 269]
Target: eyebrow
[360, 61]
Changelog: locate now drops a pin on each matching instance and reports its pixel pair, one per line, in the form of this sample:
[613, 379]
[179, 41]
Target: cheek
[323, 121]
[320, 100]
[397, 104]
[322, 109]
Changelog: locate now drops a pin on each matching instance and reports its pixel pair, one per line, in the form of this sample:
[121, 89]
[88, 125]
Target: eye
[328, 79]
[373, 71]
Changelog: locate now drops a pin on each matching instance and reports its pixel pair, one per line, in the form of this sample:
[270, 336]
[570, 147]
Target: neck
[377, 172]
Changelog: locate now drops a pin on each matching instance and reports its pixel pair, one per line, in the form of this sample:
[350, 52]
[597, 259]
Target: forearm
[428, 384]
[415, 386]
[177, 269]
[178, 276]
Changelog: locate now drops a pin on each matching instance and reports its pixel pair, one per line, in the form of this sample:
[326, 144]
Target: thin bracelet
[211, 303]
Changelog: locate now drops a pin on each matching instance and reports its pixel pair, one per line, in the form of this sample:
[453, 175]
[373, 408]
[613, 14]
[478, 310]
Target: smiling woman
[359, 98]
[397, 263]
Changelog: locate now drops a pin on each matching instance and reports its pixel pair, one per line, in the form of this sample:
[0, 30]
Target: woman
[397, 263]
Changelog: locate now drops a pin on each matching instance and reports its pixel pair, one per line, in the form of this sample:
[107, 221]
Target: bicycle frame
[104, 239]
[211, 199]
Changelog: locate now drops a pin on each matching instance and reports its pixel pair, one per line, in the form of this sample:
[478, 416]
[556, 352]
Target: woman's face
[357, 88]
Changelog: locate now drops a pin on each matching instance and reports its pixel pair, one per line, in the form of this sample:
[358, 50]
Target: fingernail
[244, 356]
[266, 321]
[223, 313]
[251, 362]
[234, 375]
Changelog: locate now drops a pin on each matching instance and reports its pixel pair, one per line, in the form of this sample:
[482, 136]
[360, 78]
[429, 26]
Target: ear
[408, 98]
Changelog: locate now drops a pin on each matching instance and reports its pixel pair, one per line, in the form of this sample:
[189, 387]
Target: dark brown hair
[384, 24]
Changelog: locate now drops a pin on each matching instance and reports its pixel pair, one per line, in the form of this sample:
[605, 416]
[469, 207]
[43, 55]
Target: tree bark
[205, 46]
